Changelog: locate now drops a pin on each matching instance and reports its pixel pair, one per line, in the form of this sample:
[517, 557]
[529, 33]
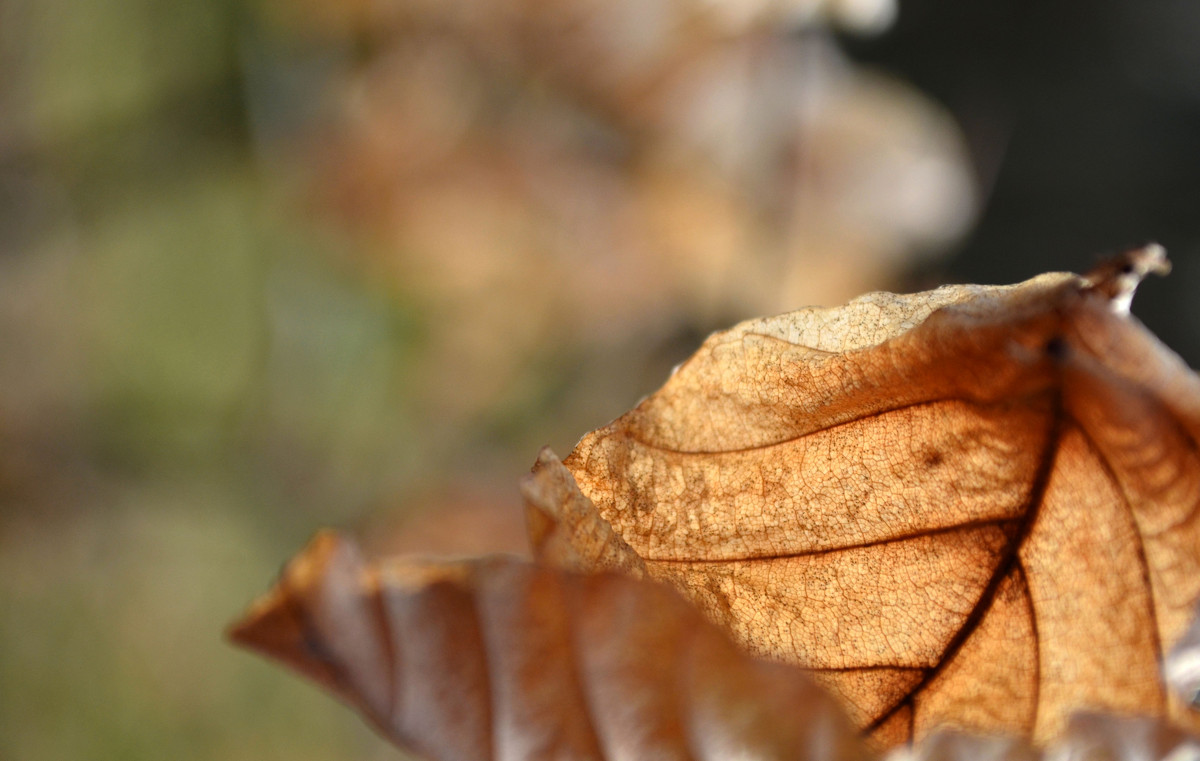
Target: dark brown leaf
[501, 659]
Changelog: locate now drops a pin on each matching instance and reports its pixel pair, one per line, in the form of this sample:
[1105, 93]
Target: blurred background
[269, 266]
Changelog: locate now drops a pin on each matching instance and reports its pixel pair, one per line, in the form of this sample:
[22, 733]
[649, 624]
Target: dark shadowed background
[271, 266]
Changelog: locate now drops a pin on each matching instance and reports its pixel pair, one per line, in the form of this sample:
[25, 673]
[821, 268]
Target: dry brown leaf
[500, 659]
[975, 506]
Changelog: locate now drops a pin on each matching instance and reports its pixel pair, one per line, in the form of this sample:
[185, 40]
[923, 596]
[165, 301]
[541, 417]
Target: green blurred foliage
[190, 386]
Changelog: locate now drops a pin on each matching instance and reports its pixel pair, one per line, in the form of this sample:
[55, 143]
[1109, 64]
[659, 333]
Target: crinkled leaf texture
[975, 506]
[500, 659]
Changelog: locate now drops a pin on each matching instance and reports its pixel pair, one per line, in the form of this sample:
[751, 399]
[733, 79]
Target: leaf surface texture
[497, 658]
[975, 506]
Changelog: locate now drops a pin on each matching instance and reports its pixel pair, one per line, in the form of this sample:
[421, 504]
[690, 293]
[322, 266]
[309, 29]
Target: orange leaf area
[975, 506]
[500, 659]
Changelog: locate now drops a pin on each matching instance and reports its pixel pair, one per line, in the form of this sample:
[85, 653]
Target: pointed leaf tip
[1117, 279]
[555, 510]
[270, 622]
[276, 625]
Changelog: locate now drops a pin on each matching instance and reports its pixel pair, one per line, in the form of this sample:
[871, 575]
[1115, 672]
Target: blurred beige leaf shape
[500, 659]
[596, 174]
[976, 506]
[1089, 736]
[1092, 735]
[1182, 665]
